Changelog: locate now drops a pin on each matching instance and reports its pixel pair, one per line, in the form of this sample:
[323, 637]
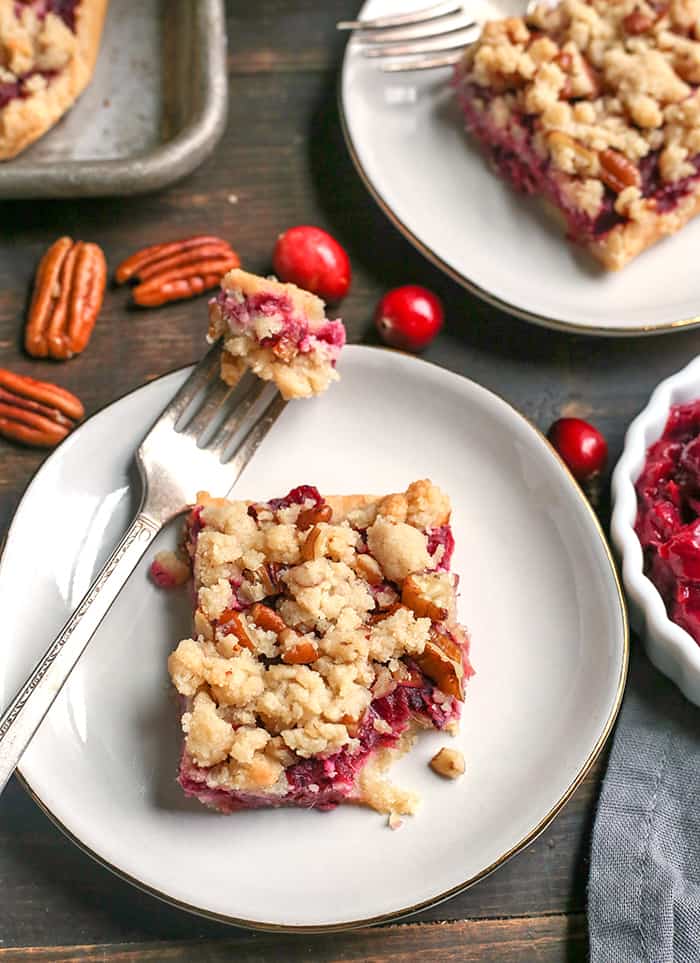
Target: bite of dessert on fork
[278, 331]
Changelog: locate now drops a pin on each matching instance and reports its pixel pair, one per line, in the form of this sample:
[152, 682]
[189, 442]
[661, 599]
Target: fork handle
[22, 717]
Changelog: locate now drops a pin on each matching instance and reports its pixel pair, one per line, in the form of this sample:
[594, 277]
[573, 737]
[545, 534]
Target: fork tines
[433, 12]
[433, 37]
[209, 415]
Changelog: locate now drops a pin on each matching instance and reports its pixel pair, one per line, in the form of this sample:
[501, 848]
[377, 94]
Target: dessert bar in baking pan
[155, 106]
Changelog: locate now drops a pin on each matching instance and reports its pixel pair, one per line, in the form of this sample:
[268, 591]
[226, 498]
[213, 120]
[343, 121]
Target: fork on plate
[434, 36]
[203, 440]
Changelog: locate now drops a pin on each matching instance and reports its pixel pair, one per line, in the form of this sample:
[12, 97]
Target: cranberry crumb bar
[325, 633]
[594, 104]
[277, 330]
[48, 50]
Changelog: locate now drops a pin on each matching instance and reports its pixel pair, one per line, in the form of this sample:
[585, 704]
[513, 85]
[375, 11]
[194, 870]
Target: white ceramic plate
[672, 650]
[539, 594]
[406, 137]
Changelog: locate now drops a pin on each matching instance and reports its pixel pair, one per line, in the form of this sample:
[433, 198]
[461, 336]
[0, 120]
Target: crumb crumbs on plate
[448, 763]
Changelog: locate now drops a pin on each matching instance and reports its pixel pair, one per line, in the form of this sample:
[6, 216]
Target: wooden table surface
[281, 162]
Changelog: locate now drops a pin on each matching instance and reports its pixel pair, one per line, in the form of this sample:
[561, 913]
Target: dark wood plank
[547, 939]
[39, 867]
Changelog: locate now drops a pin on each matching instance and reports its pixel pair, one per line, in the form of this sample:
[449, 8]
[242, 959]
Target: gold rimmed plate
[406, 138]
[538, 592]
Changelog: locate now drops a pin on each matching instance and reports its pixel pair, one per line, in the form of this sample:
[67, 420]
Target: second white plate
[538, 592]
[406, 137]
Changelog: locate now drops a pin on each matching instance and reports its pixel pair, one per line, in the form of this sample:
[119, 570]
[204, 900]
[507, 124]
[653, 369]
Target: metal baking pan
[155, 108]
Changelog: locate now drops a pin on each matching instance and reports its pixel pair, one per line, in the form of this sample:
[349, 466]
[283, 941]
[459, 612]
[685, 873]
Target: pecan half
[36, 413]
[68, 291]
[618, 172]
[181, 269]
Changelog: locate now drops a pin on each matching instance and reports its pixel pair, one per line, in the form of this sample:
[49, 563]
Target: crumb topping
[399, 548]
[303, 616]
[606, 84]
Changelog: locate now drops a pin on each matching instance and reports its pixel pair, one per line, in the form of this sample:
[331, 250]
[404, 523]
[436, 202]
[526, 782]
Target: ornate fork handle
[26, 711]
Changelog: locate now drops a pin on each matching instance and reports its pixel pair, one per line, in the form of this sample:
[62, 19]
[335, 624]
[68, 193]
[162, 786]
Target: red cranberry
[582, 447]
[313, 260]
[409, 317]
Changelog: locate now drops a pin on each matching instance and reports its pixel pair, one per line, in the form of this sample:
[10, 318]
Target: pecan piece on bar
[581, 80]
[232, 622]
[180, 269]
[295, 649]
[441, 661]
[618, 172]
[422, 606]
[312, 516]
[36, 413]
[267, 618]
[584, 158]
[68, 291]
[379, 616]
[369, 569]
[637, 22]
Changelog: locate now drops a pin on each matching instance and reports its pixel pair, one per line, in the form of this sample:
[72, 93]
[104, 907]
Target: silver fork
[435, 36]
[422, 40]
[198, 442]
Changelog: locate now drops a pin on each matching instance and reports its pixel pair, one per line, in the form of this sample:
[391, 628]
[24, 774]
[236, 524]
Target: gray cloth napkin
[644, 884]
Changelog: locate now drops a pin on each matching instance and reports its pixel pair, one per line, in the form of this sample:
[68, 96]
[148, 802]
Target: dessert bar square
[325, 634]
[595, 107]
[278, 331]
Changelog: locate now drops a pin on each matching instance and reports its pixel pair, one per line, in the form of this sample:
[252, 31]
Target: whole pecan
[68, 291]
[617, 171]
[36, 412]
[181, 269]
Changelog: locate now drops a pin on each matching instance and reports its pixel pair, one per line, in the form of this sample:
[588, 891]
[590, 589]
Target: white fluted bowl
[670, 648]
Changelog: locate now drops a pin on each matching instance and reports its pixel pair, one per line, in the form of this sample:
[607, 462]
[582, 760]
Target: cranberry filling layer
[668, 516]
[518, 162]
[324, 783]
[273, 321]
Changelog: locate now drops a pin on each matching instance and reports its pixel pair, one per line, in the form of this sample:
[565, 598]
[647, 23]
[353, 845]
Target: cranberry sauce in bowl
[668, 516]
